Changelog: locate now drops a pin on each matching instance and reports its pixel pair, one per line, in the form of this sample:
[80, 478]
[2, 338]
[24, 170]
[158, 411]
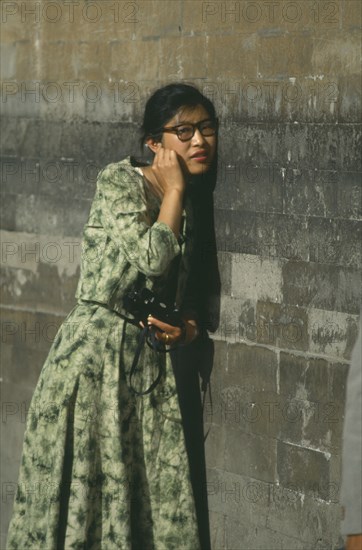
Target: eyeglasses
[187, 131]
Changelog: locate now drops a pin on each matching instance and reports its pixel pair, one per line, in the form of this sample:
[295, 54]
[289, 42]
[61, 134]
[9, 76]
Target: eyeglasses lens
[186, 132]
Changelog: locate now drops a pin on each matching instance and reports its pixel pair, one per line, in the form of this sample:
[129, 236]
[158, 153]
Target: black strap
[146, 333]
[157, 346]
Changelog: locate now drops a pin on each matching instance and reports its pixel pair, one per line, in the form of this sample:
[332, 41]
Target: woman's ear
[153, 145]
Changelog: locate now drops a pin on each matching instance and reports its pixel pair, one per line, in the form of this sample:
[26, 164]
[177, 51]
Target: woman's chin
[199, 170]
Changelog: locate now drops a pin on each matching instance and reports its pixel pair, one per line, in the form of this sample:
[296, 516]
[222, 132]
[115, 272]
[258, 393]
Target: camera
[144, 302]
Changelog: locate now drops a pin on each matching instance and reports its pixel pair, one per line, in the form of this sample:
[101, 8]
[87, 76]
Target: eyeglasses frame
[173, 129]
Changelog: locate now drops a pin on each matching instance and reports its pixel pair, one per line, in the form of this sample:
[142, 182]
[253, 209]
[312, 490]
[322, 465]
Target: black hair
[166, 102]
[163, 105]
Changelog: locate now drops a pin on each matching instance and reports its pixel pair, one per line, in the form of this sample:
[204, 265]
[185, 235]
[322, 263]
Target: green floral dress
[102, 468]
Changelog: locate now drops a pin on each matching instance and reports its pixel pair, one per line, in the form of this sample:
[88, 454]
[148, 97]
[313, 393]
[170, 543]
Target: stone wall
[285, 79]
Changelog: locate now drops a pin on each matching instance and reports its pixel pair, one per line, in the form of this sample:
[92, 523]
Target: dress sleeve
[124, 215]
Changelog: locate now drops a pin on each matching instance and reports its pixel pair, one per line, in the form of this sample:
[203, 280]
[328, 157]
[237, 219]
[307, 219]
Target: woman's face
[195, 155]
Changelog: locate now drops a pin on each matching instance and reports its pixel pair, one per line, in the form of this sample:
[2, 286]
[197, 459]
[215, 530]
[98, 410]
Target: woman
[102, 466]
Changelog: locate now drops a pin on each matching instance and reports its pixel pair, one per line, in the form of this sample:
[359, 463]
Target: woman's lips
[200, 158]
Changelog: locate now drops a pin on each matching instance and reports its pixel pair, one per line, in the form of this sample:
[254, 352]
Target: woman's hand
[175, 334]
[167, 171]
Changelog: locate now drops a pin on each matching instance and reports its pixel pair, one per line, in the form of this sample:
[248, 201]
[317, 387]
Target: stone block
[217, 522]
[26, 251]
[313, 401]
[27, 217]
[12, 135]
[246, 404]
[309, 518]
[251, 367]
[57, 218]
[235, 232]
[289, 238]
[222, 17]
[304, 470]
[22, 287]
[31, 147]
[199, 17]
[248, 187]
[250, 455]
[237, 496]
[93, 22]
[148, 53]
[295, 143]
[281, 509]
[259, 413]
[157, 18]
[14, 409]
[25, 365]
[332, 333]
[269, 190]
[20, 175]
[27, 67]
[256, 278]
[248, 535]
[92, 61]
[8, 211]
[234, 186]
[293, 370]
[297, 58]
[178, 59]
[335, 54]
[349, 195]
[282, 326]
[349, 94]
[236, 57]
[349, 153]
[343, 245]
[113, 101]
[237, 320]
[45, 288]
[16, 23]
[351, 15]
[293, 99]
[30, 330]
[62, 177]
[214, 444]
[314, 379]
[322, 193]
[76, 217]
[66, 68]
[321, 286]
[8, 61]
[311, 192]
[337, 150]
[244, 391]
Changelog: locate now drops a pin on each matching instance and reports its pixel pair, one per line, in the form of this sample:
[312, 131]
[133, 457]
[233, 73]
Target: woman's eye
[184, 130]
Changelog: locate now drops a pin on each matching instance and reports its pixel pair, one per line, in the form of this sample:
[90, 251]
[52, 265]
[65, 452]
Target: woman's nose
[197, 137]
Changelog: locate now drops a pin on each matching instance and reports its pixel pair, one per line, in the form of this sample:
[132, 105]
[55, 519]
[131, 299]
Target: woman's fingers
[173, 332]
[160, 324]
[167, 170]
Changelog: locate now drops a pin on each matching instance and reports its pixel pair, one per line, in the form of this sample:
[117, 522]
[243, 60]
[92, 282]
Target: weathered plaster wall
[285, 78]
